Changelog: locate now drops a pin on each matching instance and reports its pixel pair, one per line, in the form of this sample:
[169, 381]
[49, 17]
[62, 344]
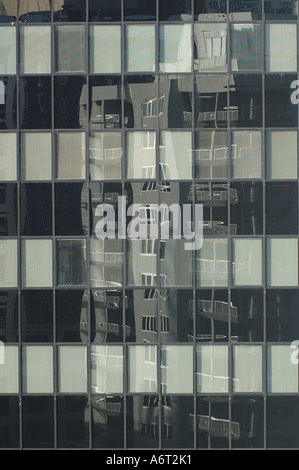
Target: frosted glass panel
[247, 369]
[8, 263]
[8, 156]
[9, 371]
[105, 155]
[37, 369]
[247, 262]
[35, 49]
[105, 49]
[140, 48]
[36, 259]
[71, 155]
[175, 155]
[141, 155]
[142, 369]
[7, 50]
[72, 369]
[107, 369]
[177, 369]
[281, 47]
[36, 156]
[175, 48]
[212, 369]
[282, 375]
[282, 262]
[212, 263]
[246, 154]
[281, 154]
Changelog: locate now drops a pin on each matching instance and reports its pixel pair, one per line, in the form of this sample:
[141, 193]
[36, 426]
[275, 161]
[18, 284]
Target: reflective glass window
[105, 107]
[175, 108]
[9, 263]
[175, 155]
[245, 11]
[9, 331]
[136, 10]
[247, 261]
[142, 106]
[105, 155]
[9, 369]
[9, 209]
[278, 143]
[7, 49]
[71, 148]
[246, 314]
[247, 368]
[37, 422]
[282, 262]
[281, 208]
[142, 369]
[279, 109]
[212, 415]
[246, 208]
[210, 101]
[72, 369]
[35, 113]
[69, 12]
[175, 48]
[245, 100]
[36, 257]
[281, 414]
[212, 263]
[212, 315]
[278, 57]
[8, 162]
[282, 318]
[282, 373]
[10, 420]
[70, 102]
[71, 321]
[72, 421]
[177, 368]
[105, 49]
[280, 11]
[246, 150]
[35, 49]
[106, 10]
[37, 369]
[71, 262]
[246, 47]
[107, 369]
[107, 414]
[141, 154]
[37, 315]
[212, 368]
[70, 48]
[211, 154]
[247, 422]
[201, 8]
[142, 268]
[36, 209]
[68, 220]
[106, 258]
[36, 155]
[210, 47]
[140, 37]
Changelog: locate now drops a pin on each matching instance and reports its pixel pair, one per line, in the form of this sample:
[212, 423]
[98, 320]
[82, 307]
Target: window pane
[37, 316]
[10, 420]
[36, 209]
[140, 38]
[72, 369]
[212, 369]
[141, 154]
[280, 58]
[279, 109]
[275, 10]
[246, 47]
[71, 262]
[105, 155]
[36, 155]
[211, 154]
[280, 143]
[35, 113]
[36, 263]
[9, 371]
[8, 156]
[282, 262]
[7, 50]
[247, 262]
[175, 48]
[105, 49]
[107, 369]
[246, 93]
[282, 208]
[106, 258]
[35, 49]
[38, 422]
[210, 47]
[177, 369]
[142, 369]
[9, 263]
[246, 152]
[37, 369]
[144, 10]
[247, 369]
[282, 374]
[70, 48]
[175, 155]
[212, 263]
[105, 10]
[142, 269]
[71, 155]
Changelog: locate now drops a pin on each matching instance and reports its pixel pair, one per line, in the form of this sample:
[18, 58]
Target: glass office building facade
[138, 343]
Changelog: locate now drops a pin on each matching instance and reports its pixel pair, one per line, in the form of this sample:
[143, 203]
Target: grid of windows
[130, 343]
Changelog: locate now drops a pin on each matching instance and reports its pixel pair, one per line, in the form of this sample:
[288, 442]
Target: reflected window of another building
[70, 102]
[141, 154]
[281, 11]
[107, 369]
[247, 415]
[211, 154]
[212, 368]
[72, 321]
[279, 110]
[105, 155]
[282, 373]
[105, 106]
[144, 10]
